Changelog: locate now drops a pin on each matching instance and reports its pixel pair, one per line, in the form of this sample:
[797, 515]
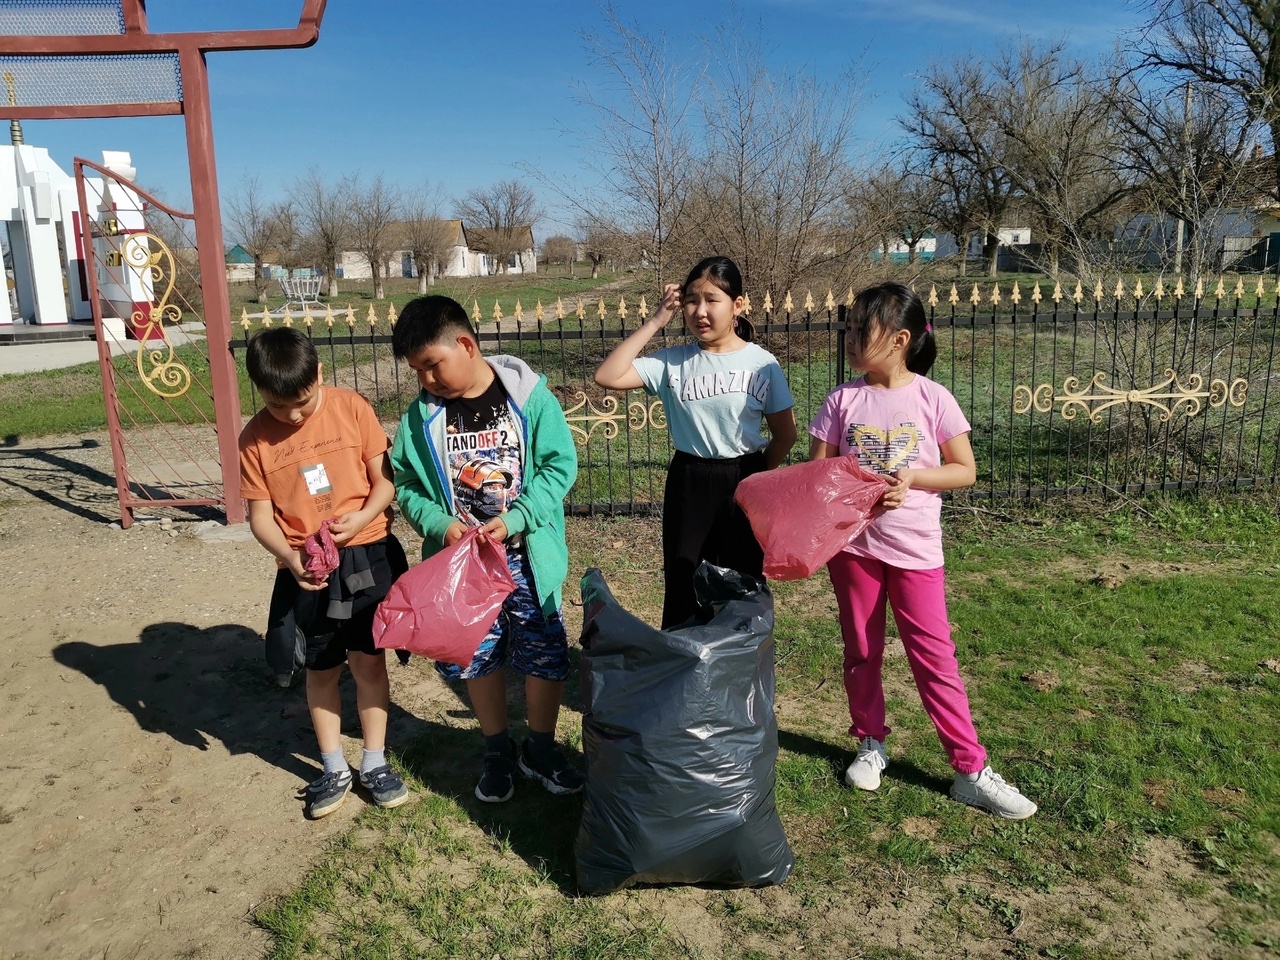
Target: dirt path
[151, 764]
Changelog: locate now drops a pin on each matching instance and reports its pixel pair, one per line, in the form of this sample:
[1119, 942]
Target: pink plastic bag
[321, 551]
[805, 514]
[444, 606]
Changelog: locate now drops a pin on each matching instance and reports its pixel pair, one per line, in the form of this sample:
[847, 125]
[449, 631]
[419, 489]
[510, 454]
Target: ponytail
[744, 328]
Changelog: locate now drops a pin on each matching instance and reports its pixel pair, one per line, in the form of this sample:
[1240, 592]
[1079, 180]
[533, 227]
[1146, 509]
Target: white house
[468, 257]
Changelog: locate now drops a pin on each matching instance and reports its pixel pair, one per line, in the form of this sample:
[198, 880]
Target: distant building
[469, 256]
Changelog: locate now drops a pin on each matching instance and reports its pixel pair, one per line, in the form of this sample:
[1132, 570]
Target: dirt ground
[150, 762]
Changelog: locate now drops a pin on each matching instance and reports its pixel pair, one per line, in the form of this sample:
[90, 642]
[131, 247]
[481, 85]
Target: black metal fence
[1064, 397]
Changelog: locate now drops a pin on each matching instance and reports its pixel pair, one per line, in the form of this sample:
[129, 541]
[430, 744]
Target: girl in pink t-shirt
[904, 426]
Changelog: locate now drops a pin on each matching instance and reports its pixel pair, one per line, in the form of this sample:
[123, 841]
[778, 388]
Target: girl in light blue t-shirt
[717, 392]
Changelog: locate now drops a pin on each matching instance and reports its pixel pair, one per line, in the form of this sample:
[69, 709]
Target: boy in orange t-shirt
[316, 453]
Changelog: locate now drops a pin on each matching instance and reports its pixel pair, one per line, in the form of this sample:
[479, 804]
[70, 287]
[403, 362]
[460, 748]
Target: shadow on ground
[201, 685]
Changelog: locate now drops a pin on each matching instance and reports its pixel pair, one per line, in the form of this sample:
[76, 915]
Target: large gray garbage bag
[681, 742]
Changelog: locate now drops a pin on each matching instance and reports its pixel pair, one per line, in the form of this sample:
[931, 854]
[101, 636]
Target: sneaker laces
[326, 781]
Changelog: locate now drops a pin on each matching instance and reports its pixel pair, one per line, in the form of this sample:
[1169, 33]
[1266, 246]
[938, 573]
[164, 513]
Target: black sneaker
[386, 788]
[326, 794]
[498, 782]
[553, 771]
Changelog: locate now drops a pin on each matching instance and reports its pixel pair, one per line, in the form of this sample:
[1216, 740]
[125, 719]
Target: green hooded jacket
[550, 466]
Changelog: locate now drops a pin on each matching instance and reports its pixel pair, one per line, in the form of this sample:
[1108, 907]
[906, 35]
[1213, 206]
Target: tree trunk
[378, 290]
[259, 281]
[911, 251]
[333, 284]
[423, 279]
[595, 270]
[991, 251]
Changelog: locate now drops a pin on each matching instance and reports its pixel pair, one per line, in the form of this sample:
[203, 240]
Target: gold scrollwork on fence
[607, 416]
[1170, 397]
[160, 369]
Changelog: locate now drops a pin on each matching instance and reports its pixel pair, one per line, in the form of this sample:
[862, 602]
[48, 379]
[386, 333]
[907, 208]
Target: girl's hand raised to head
[668, 305]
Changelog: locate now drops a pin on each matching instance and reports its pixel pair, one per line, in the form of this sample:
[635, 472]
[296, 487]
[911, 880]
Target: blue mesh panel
[29, 18]
[92, 80]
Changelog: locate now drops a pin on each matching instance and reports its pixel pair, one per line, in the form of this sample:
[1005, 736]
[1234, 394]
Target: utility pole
[1182, 180]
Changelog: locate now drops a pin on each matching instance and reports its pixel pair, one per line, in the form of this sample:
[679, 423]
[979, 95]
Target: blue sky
[458, 92]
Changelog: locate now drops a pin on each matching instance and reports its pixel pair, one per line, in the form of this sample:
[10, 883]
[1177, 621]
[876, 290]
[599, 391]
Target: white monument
[40, 208]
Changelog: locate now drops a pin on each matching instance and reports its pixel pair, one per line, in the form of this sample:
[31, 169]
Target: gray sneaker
[326, 794]
[988, 791]
[386, 788]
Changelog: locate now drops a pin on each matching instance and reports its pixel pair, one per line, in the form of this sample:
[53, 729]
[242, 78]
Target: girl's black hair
[890, 307]
[724, 273]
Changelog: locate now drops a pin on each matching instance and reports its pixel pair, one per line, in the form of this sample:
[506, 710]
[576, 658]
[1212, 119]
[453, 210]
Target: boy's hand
[454, 533]
[496, 529]
[347, 526]
[896, 493]
[299, 570]
[668, 305]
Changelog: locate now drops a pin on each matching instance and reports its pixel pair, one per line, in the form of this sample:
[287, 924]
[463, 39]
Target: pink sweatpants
[919, 605]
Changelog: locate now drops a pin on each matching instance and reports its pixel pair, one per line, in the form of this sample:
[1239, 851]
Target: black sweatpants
[700, 522]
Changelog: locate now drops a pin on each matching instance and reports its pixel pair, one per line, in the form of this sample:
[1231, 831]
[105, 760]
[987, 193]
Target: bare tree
[951, 125]
[1190, 151]
[1061, 140]
[257, 226]
[322, 210]
[1233, 45]
[559, 249]
[503, 217]
[606, 242]
[427, 236]
[374, 212]
[771, 172]
[642, 140]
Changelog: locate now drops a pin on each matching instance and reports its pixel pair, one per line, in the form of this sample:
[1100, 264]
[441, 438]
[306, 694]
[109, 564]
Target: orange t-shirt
[317, 469]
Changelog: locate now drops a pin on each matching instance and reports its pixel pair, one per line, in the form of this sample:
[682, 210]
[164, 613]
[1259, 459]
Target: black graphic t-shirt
[483, 453]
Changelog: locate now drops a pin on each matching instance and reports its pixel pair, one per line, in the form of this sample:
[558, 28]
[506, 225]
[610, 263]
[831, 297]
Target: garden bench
[300, 291]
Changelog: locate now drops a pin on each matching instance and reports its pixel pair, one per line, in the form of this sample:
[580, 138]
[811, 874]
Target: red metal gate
[143, 275]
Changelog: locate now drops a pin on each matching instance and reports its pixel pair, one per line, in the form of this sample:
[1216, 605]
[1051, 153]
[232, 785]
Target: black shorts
[301, 627]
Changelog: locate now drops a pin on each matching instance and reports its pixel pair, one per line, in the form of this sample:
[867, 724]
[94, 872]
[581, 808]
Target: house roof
[239, 254]
[457, 236]
[480, 238]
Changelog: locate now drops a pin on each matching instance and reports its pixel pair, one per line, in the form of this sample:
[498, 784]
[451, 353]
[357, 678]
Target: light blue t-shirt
[716, 402]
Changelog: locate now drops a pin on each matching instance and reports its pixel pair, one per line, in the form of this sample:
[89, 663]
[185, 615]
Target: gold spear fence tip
[1137, 289]
[768, 301]
[1036, 295]
[643, 307]
[830, 302]
[328, 314]
[1200, 288]
[244, 317]
[538, 313]
[933, 295]
[559, 308]
[1220, 290]
[788, 305]
[1057, 292]
[975, 297]
[392, 316]
[476, 315]
[1159, 290]
[519, 312]
[1119, 288]
[582, 310]
[954, 297]
[371, 318]
[746, 304]
[622, 307]
[1178, 290]
[1016, 295]
[601, 310]
[808, 301]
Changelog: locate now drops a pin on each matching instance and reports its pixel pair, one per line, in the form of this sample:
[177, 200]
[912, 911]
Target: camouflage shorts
[523, 638]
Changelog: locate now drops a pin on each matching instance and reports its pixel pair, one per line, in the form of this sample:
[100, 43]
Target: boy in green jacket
[486, 445]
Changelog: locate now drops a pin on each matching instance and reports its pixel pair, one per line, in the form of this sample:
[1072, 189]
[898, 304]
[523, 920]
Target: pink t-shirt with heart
[888, 429]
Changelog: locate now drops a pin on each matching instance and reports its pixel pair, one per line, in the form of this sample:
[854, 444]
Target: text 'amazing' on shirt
[721, 382]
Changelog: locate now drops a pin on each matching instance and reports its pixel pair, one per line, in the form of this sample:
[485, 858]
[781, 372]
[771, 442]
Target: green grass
[1115, 661]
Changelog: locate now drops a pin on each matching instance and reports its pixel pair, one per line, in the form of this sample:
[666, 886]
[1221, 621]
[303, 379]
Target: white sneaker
[864, 772]
[988, 791]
